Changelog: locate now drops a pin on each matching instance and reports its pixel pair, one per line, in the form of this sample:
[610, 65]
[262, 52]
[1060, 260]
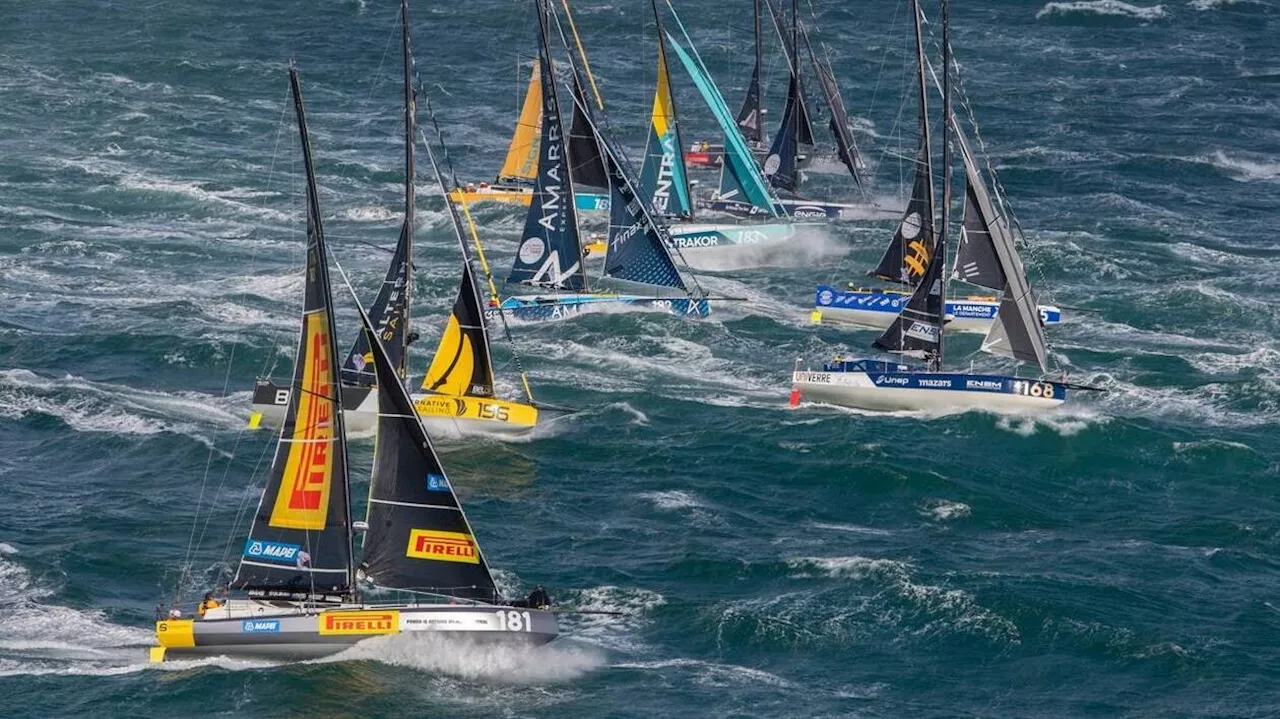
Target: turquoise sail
[738, 159]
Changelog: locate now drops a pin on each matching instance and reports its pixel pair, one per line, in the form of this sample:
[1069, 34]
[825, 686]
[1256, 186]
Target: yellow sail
[451, 369]
[522, 155]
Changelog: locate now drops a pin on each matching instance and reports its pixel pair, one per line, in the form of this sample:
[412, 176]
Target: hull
[551, 308]
[730, 245]
[876, 309]
[515, 195]
[280, 630]
[360, 409]
[808, 210]
[887, 386]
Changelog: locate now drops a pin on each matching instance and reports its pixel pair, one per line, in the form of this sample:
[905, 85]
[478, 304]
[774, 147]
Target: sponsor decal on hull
[260, 626]
[442, 546]
[365, 622]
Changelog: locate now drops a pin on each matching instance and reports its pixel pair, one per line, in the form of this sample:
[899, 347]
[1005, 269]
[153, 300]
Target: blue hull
[562, 307]
[878, 308]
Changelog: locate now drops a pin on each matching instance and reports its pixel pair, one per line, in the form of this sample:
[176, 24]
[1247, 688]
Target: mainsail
[663, 175]
[521, 164]
[550, 254]
[462, 366]
[750, 117]
[300, 543]
[741, 178]
[390, 310]
[912, 245]
[781, 164]
[636, 251]
[917, 331]
[418, 536]
[846, 147]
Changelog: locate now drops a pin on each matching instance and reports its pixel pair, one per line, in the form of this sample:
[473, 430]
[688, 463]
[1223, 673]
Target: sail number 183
[510, 620]
[1033, 389]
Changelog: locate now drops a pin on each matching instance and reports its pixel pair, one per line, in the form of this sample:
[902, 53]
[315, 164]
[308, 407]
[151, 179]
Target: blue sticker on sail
[437, 483]
[272, 551]
[260, 626]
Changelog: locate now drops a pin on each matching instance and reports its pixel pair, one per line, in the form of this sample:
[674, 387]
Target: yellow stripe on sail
[663, 109]
[451, 368]
[522, 155]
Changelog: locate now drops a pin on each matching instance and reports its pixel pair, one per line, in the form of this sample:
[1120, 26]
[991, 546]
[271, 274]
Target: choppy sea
[1118, 558]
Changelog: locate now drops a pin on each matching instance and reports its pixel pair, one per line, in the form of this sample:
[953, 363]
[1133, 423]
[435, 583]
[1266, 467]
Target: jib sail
[462, 366]
[663, 175]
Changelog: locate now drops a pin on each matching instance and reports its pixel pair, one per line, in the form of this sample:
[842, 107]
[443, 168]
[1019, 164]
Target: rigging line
[583, 53]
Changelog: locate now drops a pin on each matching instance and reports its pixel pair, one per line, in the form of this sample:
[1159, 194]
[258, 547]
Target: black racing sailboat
[446, 396]
[298, 585]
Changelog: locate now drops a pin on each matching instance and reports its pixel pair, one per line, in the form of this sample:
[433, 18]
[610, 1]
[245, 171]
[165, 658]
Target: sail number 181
[509, 620]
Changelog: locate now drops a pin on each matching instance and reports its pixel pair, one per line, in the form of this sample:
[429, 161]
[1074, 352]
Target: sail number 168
[1033, 389]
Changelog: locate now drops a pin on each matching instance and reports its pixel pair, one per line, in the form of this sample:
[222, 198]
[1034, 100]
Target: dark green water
[1116, 558]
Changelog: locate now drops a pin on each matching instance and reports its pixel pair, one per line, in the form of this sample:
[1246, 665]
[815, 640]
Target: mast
[759, 57]
[946, 174]
[410, 133]
[924, 105]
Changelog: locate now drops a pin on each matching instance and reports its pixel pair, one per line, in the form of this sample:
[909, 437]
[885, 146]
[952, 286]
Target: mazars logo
[387, 622]
[260, 626]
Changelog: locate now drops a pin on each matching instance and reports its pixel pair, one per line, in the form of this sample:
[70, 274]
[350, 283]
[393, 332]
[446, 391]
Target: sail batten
[299, 545]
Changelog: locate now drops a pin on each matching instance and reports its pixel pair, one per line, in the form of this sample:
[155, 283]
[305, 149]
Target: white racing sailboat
[298, 585]
[988, 257]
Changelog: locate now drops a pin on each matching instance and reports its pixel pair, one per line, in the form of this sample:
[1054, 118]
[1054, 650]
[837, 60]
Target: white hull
[857, 390]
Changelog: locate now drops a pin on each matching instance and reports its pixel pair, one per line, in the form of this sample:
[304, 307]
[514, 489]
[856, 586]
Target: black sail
[976, 261]
[418, 536]
[300, 543]
[586, 166]
[917, 331]
[390, 311]
[750, 117]
[912, 246]
[846, 147]
[781, 164]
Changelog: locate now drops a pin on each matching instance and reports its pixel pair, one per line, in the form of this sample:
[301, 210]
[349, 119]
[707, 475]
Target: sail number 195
[510, 620]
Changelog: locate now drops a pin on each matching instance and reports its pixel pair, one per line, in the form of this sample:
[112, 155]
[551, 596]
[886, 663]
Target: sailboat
[515, 180]
[918, 331]
[458, 388]
[664, 177]
[912, 244]
[298, 585]
[779, 168]
[549, 256]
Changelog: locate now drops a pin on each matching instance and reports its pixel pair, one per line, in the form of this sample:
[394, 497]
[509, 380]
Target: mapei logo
[442, 546]
[437, 483]
[277, 552]
[260, 626]
[332, 623]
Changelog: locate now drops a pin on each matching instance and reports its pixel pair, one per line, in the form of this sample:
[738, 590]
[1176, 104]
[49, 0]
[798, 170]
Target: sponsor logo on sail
[531, 250]
[442, 546]
[923, 331]
[302, 501]
[437, 483]
[386, 622]
[278, 552]
[260, 626]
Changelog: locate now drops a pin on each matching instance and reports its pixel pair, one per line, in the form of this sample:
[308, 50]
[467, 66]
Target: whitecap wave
[1113, 8]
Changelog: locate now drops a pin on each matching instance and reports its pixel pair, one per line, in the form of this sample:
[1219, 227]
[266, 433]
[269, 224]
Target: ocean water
[1118, 558]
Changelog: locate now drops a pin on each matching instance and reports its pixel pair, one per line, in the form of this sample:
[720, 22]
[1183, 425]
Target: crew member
[207, 603]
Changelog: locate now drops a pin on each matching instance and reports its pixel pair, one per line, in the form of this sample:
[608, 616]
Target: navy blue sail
[781, 164]
[637, 252]
[550, 254]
